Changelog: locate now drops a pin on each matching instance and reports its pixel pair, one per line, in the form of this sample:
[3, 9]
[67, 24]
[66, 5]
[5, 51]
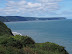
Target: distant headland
[19, 18]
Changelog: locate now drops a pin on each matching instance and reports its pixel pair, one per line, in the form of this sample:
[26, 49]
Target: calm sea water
[59, 32]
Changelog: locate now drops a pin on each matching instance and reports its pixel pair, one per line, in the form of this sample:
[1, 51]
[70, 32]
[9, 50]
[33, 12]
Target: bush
[4, 29]
[49, 48]
[10, 50]
[18, 41]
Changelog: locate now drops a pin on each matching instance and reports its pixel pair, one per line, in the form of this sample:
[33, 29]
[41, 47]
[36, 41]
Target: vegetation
[18, 41]
[10, 44]
[4, 29]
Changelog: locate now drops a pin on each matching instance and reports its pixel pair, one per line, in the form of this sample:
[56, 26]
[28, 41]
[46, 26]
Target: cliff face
[4, 29]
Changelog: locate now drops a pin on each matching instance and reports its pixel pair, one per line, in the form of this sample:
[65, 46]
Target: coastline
[63, 42]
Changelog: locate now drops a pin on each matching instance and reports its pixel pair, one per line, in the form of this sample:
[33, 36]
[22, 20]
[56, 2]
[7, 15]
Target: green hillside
[10, 44]
[4, 29]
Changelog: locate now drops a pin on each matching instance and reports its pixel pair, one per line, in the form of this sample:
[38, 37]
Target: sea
[55, 31]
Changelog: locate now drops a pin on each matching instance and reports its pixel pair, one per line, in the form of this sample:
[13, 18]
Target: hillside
[10, 44]
[4, 29]
[52, 18]
[3, 19]
[15, 18]
[19, 18]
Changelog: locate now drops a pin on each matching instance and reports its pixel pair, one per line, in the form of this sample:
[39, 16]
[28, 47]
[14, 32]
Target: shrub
[4, 29]
[18, 41]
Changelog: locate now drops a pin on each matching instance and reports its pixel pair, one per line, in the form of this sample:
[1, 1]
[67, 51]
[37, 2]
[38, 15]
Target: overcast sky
[36, 8]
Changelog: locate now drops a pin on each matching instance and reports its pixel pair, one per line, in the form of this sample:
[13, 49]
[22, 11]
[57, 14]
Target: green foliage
[24, 45]
[49, 48]
[4, 29]
[10, 50]
[38, 48]
[18, 41]
[5, 32]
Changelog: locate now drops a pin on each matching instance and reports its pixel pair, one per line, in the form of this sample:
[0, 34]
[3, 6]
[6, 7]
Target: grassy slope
[25, 45]
[4, 29]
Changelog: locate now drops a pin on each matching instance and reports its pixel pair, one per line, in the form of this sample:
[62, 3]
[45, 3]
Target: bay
[55, 31]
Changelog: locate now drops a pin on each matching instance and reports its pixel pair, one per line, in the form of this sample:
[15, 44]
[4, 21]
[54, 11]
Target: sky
[36, 8]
